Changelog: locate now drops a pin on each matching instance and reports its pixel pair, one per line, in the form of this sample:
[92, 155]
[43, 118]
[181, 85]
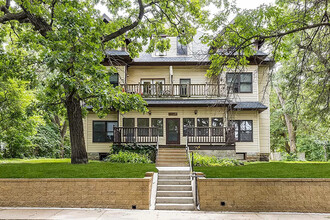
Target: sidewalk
[57, 213]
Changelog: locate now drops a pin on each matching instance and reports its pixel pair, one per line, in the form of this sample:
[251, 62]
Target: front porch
[203, 138]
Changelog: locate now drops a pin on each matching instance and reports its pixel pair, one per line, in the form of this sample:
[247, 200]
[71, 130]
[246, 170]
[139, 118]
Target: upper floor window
[103, 131]
[243, 130]
[240, 82]
[181, 49]
[114, 79]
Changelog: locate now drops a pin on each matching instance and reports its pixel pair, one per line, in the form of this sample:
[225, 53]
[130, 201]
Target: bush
[148, 150]
[127, 157]
[289, 157]
[210, 161]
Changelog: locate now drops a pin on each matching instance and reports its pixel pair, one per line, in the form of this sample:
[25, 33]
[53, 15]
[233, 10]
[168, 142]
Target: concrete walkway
[54, 213]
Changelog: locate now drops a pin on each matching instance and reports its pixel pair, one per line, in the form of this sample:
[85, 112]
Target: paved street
[53, 213]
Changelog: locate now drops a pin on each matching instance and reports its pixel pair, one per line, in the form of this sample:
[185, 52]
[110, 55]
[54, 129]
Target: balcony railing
[212, 135]
[176, 90]
[135, 135]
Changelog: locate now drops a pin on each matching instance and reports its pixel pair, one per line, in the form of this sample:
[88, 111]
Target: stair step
[174, 194]
[175, 172]
[172, 160]
[183, 156]
[171, 165]
[174, 182]
[176, 200]
[173, 177]
[174, 188]
[175, 207]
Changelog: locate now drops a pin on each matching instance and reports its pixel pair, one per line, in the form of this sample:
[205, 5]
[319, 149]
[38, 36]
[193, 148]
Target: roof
[250, 106]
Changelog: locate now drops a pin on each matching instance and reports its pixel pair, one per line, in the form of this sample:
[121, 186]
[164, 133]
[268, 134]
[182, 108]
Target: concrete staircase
[174, 187]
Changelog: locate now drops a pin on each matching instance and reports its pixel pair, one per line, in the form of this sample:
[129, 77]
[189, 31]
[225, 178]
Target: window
[188, 126]
[152, 87]
[217, 126]
[114, 79]
[143, 126]
[243, 130]
[128, 122]
[202, 122]
[184, 87]
[157, 123]
[240, 82]
[181, 49]
[103, 131]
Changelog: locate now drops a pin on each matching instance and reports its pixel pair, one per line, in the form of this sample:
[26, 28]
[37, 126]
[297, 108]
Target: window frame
[115, 84]
[140, 129]
[105, 131]
[230, 85]
[184, 131]
[217, 130]
[239, 130]
[178, 44]
[201, 131]
[160, 133]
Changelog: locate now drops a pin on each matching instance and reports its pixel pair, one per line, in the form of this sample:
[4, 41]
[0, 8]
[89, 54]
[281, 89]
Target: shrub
[289, 157]
[207, 161]
[127, 157]
[148, 150]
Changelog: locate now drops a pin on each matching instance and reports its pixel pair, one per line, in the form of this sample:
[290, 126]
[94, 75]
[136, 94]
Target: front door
[172, 131]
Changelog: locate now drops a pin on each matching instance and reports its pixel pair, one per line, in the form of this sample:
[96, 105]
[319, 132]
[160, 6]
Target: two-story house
[226, 116]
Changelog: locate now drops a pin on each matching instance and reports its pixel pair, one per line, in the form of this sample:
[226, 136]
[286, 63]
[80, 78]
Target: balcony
[176, 90]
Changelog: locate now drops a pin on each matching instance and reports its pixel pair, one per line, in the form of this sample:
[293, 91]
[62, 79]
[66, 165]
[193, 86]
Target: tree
[70, 38]
[297, 36]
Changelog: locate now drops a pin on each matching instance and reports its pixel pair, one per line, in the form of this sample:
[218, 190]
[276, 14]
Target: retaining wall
[76, 193]
[264, 195]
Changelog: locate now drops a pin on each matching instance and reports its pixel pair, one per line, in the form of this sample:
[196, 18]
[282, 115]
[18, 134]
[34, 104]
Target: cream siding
[136, 73]
[195, 73]
[88, 132]
[247, 115]
[264, 117]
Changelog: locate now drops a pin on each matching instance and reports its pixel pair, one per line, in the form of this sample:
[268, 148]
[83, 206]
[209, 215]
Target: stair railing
[157, 147]
[188, 154]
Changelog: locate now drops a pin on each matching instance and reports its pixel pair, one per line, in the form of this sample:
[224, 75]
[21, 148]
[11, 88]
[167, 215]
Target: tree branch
[128, 27]
[21, 17]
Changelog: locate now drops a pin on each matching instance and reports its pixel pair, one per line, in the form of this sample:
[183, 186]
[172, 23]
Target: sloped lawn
[270, 170]
[61, 168]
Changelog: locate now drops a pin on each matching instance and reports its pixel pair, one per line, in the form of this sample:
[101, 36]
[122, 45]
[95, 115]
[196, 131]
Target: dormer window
[159, 53]
[181, 49]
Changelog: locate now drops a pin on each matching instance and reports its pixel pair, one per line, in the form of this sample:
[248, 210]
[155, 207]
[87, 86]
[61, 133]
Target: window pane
[246, 125]
[246, 136]
[157, 123]
[143, 125]
[99, 137]
[218, 123]
[181, 49]
[128, 122]
[245, 87]
[114, 79]
[235, 125]
[99, 126]
[188, 126]
[203, 122]
[246, 77]
[110, 132]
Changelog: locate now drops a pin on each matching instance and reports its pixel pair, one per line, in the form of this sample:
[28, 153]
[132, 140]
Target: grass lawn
[61, 168]
[270, 170]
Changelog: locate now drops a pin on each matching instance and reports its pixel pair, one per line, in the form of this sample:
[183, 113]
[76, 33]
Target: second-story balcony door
[184, 87]
[152, 87]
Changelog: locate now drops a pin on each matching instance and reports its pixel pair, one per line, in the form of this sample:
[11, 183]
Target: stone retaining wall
[76, 193]
[264, 195]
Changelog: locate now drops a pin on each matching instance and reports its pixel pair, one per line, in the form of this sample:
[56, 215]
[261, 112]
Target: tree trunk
[288, 122]
[78, 149]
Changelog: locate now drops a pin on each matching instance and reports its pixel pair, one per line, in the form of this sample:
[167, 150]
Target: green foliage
[47, 142]
[127, 157]
[289, 157]
[315, 149]
[149, 150]
[203, 160]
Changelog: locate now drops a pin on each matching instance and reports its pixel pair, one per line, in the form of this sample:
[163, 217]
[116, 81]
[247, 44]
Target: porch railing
[176, 90]
[135, 135]
[211, 135]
